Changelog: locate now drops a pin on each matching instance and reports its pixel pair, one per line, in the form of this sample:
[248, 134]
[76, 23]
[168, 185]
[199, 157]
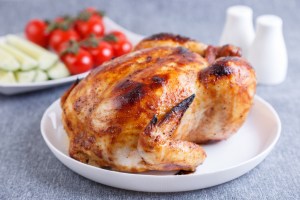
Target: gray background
[28, 170]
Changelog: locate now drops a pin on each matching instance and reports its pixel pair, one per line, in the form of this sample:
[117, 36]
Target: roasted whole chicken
[149, 109]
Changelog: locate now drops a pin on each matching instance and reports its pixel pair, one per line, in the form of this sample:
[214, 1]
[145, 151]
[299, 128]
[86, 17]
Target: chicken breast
[147, 110]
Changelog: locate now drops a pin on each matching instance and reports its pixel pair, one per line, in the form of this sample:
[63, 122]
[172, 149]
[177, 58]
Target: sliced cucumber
[40, 76]
[7, 77]
[26, 61]
[26, 76]
[45, 58]
[59, 70]
[8, 62]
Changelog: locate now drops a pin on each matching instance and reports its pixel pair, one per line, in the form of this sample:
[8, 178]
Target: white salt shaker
[268, 54]
[238, 29]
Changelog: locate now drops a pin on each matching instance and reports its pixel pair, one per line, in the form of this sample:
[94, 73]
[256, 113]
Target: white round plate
[15, 88]
[225, 161]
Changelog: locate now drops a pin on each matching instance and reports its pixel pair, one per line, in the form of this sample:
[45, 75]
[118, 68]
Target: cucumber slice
[26, 61]
[59, 70]
[7, 77]
[8, 62]
[44, 57]
[26, 76]
[40, 76]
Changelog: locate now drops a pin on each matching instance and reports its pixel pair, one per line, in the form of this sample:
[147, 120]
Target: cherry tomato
[119, 42]
[119, 35]
[94, 11]
[62, 47]
[122, 47]
[93, 25]
[102, 53]
[79, 62]
[35, 31]
[58, 37]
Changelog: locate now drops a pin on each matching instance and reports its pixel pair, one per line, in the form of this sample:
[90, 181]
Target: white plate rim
[258, 158]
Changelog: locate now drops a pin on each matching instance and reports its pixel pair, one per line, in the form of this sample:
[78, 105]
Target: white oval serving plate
[16, 88]
[225, 161]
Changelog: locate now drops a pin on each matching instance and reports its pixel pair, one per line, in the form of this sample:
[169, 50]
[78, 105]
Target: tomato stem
[72, 48]
[110, 38]
[91, 41]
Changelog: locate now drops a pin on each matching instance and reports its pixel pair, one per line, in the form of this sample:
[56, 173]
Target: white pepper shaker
[268, 54]
[238, 29]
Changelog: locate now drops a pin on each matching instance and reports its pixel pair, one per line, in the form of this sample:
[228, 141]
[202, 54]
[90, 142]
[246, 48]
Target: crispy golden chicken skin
[147, 110]
[171, 40]
[209, 52]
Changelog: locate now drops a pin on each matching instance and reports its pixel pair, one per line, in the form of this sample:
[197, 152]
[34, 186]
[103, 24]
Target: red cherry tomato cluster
[86, 32]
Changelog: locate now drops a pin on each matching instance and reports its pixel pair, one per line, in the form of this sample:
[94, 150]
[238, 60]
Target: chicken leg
[160, 151]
